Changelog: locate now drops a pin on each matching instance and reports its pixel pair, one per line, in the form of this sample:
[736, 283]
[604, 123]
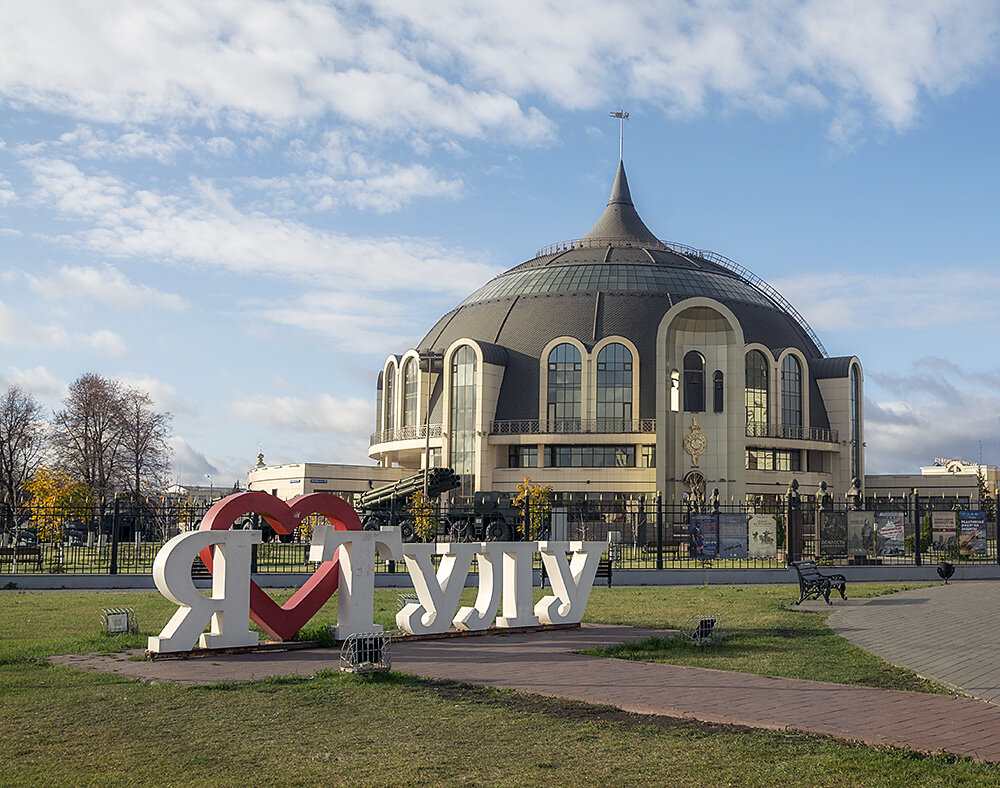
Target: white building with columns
[620, 365]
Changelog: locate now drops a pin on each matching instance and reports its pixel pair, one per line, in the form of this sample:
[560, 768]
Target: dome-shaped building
[621, 364]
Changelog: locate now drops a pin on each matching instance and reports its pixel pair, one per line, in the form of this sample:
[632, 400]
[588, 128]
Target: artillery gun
[387, 505]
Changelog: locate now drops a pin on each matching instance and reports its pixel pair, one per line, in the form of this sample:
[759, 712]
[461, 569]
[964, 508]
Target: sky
[243, 207]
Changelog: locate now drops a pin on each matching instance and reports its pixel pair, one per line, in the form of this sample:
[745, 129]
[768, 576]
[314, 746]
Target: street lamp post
[427, 358]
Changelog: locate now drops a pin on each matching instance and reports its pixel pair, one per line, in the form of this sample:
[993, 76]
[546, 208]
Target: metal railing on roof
[571, 426]
[823, 434]
[405, 433]
[742, 272]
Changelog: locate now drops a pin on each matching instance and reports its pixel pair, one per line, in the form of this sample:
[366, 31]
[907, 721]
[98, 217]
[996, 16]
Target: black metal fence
[641, 534]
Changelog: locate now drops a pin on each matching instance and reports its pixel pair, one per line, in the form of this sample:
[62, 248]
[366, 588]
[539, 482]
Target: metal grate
[365, 652]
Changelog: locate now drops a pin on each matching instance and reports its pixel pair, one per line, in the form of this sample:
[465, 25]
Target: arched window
[791, 397]
[463, 417]
[390, 399]
[718, 398]
[756, 394]
[694, 382]
[410, 393]
[564, 365]
[855, 422]
[675, 391]
[614, 388]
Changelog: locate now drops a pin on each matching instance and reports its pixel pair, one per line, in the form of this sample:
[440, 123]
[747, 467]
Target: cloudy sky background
[244, 206]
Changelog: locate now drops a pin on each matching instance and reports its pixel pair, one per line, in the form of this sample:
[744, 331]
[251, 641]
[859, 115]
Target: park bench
[22, 554]
[813, 584]
[604, 571]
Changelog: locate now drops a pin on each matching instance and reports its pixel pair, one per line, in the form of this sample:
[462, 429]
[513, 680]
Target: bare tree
[145, 451]
[22, 445]
[88, 434]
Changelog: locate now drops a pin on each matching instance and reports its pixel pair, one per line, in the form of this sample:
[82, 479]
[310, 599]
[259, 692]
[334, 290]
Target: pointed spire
[620, 221]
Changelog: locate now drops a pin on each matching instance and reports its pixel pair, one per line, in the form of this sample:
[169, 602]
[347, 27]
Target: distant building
[288, 480]
[943, 478]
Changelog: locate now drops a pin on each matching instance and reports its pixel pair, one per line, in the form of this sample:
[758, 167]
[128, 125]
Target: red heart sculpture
[284, 621]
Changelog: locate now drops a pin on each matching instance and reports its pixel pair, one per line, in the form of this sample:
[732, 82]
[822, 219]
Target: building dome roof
[617, 280]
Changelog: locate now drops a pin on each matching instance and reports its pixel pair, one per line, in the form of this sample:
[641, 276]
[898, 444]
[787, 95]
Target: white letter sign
[228, 609]
[571, 579]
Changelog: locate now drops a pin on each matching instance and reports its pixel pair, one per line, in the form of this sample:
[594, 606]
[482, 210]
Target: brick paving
[949, 633]
[544, 663]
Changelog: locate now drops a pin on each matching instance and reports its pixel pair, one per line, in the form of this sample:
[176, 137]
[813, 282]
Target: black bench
[603, 571]
[22, 554]
[813, 584]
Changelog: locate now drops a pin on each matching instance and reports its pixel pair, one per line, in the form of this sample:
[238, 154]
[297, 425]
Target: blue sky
[244, 206]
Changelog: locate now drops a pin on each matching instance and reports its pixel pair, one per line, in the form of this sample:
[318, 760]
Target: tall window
[675, 391]
[694, 382]
[718, 397]
[791, 397]
[756, 394]
[855, 422]
[463, 417]
[564, 367]
[410, 393]
[614, 388]
[390, 398]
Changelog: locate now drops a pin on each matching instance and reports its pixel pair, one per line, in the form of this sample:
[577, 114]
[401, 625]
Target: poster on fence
[763, 536]
[732, 535]
[860, 533]
[704, 536]
[832, 533]
[972, 533]
[890, 533]
[943, 530]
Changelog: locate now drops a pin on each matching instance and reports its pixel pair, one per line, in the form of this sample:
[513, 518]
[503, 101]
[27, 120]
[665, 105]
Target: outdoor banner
[832, 528]
[704, 535]
[891, 533]
[763, 536]
[732, 535]
[860, 533]
[972, 533]
[943, 531]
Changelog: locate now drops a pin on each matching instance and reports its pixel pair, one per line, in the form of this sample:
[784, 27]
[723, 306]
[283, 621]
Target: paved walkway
[949, 633]
[544, 663]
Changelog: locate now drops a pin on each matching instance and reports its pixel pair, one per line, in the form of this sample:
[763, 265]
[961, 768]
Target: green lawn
[60, 726]
[763, 635]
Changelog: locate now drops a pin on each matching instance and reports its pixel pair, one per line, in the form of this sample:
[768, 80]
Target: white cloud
[164, 395]
[207, 228]
[190, 466]
[861, 302]
[104, 285]
[37, 381]
[108, 342]
[470, 69]
[933, 409]
[387, 188]
[348, 417]
[22, 331]
[7, 194]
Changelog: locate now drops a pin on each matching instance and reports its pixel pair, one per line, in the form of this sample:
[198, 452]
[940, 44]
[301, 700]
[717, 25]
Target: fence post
[789, 536]
[114, 540]
[917, 525]
[659, 530]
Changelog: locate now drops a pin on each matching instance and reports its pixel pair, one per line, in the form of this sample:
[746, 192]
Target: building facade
[621, 365]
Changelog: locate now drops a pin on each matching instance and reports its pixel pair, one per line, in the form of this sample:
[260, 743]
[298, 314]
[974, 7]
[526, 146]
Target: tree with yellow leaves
[424, 524]
[536, 500]
[57, 499]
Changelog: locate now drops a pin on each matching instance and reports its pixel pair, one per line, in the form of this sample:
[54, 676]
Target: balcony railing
[823, 434]
[571, 426]
[405, 434]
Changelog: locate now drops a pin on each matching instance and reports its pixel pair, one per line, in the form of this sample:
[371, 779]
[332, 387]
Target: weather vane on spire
[622, 116]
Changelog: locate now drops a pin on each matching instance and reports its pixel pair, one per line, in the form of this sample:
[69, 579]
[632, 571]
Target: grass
[61, 726]
[764, 635]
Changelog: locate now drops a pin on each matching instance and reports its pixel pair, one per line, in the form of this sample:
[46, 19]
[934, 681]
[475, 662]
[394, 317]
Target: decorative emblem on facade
[694, 442]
